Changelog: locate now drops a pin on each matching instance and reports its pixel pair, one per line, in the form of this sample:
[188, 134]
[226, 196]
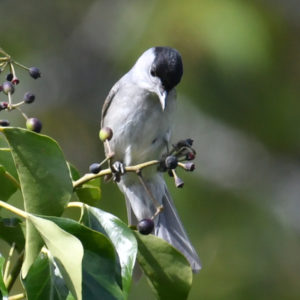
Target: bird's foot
[118, 170]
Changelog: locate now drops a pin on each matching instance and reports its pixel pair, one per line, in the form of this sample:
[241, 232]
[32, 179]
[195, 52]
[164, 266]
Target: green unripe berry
[105, 133]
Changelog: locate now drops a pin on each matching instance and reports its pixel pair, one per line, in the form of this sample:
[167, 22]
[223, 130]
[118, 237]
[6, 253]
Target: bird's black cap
[167, 66]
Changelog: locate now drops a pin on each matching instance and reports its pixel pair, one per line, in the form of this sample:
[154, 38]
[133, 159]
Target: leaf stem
[89, 176]
[17, 297]
[12, 179]
[13, 209]
[8, 263]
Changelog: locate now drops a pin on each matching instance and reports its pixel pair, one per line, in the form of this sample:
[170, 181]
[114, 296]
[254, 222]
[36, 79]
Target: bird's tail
[167, 224]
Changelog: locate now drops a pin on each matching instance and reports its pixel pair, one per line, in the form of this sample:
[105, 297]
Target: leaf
[11, 232]
[120, 235]
[6, 159]
[41, 281]
[89, 193]
[3, 290]
[66, 249]
[7, 183]
[98, 266]
[168, 271]
[45, 180]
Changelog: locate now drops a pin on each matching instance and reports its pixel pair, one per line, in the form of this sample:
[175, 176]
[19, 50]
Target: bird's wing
[108, 101]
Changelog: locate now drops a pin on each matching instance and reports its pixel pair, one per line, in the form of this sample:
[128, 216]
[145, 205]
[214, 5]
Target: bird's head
[159, 69]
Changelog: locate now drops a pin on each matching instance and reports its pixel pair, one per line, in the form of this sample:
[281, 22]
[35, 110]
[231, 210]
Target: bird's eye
[152, 72]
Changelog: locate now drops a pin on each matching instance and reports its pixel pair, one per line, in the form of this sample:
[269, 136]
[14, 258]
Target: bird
[140, 110]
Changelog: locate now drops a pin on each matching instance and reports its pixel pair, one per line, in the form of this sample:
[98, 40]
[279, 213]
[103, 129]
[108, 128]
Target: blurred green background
[239, 100]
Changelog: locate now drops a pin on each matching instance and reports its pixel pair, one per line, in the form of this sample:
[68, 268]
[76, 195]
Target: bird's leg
[118, 170]
[158, 206]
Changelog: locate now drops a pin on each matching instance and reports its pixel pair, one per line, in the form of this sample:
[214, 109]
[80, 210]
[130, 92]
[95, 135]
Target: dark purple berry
[34, 72]
[29, 97]
[3, 105]
[105, 133]
[4, 123]
[179, 182]
[170, 173]
[15, 81]
[8, 87]
[171, 162]
[190, 156]
[145, 226]
[34, 124]
[9, 77]
[95, 168]
[189, 166]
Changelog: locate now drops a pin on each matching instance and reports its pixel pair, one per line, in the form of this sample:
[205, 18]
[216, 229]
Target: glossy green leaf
[3, 290]
[44, 177]
[41, 281]
[168, 271]
[66, 249]
[11, 232]
[7, 183]
[98, 265]
[120, 235]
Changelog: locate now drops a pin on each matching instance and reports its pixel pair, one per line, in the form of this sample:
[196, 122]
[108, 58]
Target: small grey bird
[139, 109]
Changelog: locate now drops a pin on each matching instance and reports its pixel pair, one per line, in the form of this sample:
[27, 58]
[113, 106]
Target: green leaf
[168, 271]
[11, 232]
[8, 184]
[3, 290]
[66, 249]
[6, 159]
[98, 265]
[45, 181]
[41, 281]
[89, 193]
[120, 235]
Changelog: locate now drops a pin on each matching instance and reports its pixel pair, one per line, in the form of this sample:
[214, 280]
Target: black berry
[4, 123]
[34, 72]
[171, 162]
[34, 124]
[145, 226]
[29, 97]
[95, 168]
[8, 87]
[9, 77]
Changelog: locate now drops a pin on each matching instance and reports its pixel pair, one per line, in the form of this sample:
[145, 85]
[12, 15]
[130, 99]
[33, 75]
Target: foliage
[90, 258]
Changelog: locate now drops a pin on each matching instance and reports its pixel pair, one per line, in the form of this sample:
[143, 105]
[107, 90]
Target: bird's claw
[118, 169]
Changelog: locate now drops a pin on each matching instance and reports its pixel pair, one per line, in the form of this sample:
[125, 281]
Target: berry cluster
[8, 87]
[180, 155]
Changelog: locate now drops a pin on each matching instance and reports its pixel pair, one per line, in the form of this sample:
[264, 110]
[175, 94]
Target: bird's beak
[162, 95]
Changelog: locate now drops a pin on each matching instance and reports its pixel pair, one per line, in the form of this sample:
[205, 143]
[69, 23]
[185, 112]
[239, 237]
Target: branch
[87, 177]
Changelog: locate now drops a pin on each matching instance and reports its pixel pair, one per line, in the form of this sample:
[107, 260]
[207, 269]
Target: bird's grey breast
[141, 128]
